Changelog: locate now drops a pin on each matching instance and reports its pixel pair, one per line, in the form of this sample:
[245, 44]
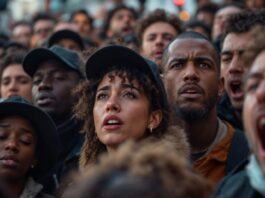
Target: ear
[155, 119]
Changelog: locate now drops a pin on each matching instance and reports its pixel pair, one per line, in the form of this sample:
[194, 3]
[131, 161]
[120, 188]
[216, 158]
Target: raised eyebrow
[107, 87]
[182, 59]
[203, 59]
[226, 52]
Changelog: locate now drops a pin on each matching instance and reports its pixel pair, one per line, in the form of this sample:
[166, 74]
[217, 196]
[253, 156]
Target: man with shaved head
[192, 79]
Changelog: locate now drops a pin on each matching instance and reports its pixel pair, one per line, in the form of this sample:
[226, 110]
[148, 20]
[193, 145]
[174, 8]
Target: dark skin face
[191, 74]
[18, 142]
[192, 82]
[52, 86]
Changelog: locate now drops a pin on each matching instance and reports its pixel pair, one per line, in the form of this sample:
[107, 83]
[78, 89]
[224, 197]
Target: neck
[15, 186]
[111, 149]
[58, 120]
[201, 133]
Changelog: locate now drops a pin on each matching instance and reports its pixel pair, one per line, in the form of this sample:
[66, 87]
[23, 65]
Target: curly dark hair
[244, 21]
[43, 16]
[140, 170]
[84, 12]
[110, 15]
[11, 58]
[158, 15]
[208, 7]
[86, 92]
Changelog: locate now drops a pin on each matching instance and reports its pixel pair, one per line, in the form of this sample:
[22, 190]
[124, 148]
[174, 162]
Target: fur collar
[174, 137]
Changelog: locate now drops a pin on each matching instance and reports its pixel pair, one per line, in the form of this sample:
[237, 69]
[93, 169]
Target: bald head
[190, 37]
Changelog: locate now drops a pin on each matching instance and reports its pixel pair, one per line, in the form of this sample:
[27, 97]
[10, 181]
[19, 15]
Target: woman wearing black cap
[28, 147]
[123, 99]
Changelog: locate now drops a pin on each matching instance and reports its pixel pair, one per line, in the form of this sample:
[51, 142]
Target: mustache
[192, 86]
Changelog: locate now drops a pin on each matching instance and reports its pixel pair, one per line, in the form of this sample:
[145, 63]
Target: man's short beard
[191, 115]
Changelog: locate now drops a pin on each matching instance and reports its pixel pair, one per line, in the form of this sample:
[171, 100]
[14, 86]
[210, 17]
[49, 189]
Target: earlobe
[155, 119]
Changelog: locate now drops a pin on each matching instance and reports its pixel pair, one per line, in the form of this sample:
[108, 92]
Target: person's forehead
[259, 64]
[239, 41]
[81, 17]
[13, 68]
[20, 28]
[123, 11]
[189, 45]
[160, 27]
[43, 22]
[228, 11]
[50, 65]
[19, 119]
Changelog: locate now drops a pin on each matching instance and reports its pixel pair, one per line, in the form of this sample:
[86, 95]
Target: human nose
[13, 86]
[45, 84]
[190, 72]
[113, 104]
[127, 19]
[236, 66]
[159, 41]
[12, 144]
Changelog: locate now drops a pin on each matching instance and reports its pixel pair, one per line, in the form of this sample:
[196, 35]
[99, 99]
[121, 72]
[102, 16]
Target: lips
[45, 99]
[9, 161]
[191, 91]
[158, 54]
[127, 29]
[12, 95]
[112, 122]
[236, 89]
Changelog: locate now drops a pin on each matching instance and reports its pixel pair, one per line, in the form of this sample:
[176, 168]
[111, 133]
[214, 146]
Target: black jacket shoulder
[236, 184]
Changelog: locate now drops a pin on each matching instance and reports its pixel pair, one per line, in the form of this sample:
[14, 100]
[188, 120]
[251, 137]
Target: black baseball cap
[68, 58]
[117, 55]
[66, 34]
[48, 142]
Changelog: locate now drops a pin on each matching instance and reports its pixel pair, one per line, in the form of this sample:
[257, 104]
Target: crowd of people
[145, 105]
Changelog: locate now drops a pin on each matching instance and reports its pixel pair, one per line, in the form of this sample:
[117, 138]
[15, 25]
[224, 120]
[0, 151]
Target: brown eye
[130, 95]
[252, 86]
[101, 96]
[226, 58]
[177, 65]
[204, 65]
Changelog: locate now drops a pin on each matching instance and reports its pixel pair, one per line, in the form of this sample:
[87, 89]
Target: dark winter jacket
[227, 112]
[237, 184]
